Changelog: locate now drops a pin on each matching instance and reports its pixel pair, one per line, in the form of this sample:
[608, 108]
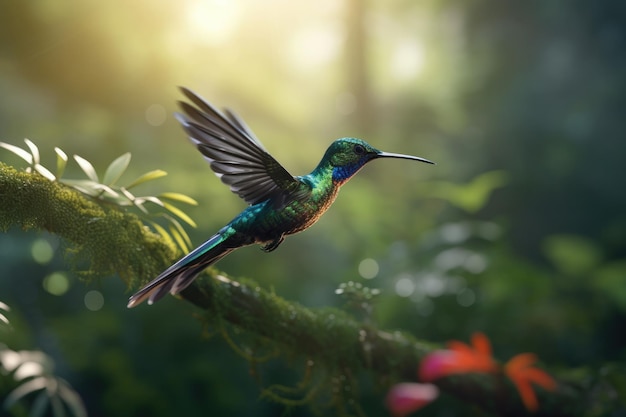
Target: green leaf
[179, 197]
[84, 186]
[71, 399]
[45, 172]
[148, 176]
[40, 405]
[34, 150]
[152, 200]
[86, 166]
[26, 388]
[179, 213]
[17, 151]
[471, 196]
[61, 161]
[91, 188]
[180, 229]
[57, 407]
[116, 169]
[139, 204]
[178, 238]
[106, 189]
[160, 230]
[128, 194]
[571, 254]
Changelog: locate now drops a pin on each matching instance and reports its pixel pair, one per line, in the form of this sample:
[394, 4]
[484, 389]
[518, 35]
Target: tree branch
[117, 242]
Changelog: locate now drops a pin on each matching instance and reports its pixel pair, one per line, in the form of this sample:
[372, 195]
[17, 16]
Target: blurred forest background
[519, 231]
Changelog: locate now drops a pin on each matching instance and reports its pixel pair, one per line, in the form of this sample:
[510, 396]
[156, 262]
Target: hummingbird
[279, 204]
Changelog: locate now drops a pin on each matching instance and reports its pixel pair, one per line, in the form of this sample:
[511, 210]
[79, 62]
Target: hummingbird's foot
[273, 244]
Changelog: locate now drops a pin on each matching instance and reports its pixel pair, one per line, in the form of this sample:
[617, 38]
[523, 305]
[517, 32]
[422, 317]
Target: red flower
[458, 359]
[405, 398]
[520, 371]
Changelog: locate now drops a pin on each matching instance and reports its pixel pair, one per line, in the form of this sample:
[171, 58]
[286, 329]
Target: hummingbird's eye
[359, 149]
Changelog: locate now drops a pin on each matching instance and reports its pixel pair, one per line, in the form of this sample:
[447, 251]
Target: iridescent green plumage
[280, 204]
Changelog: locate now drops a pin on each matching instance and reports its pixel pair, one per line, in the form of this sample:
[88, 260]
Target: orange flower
[458, 359]
[520, 371]
[461, 358]
[405, 398]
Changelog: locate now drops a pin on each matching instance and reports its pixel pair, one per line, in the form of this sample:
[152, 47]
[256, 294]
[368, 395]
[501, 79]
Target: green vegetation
[517, 232]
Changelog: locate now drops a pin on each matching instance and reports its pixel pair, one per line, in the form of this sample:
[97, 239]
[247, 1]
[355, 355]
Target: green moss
[106, 239]
[335, 347]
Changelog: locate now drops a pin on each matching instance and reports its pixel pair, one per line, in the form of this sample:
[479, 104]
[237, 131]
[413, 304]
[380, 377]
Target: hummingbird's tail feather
[178, 276]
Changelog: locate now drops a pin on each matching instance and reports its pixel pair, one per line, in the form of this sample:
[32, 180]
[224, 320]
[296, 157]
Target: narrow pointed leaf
[45, 172]
[61, 161]
[3, 319]
[23, 390]
[138, 202]
[57, 407]
[84, 186]
[72, 399]
[148, 176]
[127, 194]
[179, 239]
[152, 199]
[86, 166]
[180, 214]
[18, 151]
[179, 197]
[40, 405]
[180, 229]
[116, 169]
[160, 230]
[4, 306]
[106, 189]
[34, 150]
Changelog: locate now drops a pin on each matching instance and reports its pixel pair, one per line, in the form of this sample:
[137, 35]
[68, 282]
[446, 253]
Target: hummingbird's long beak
[402, 156]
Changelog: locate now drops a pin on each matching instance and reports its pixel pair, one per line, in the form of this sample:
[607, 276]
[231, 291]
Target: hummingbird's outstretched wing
[234, 153]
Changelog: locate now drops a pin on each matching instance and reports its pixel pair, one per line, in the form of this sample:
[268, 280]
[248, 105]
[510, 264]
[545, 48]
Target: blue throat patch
[343, 173]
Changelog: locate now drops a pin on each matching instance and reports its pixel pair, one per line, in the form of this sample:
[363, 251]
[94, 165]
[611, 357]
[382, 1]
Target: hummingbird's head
[347, 156]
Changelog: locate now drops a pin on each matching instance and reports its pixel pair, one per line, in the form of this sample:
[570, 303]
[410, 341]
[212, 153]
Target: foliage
[329, 339]
[109, 191]
[34, 202]
[33, 371]
[533, 90]
[4, 321]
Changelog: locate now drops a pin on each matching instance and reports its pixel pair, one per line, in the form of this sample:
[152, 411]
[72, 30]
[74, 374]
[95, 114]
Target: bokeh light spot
[212, 21]
[42, 251]
[466, 297]
[156, 115]
[368, 268]
[405, 286]
[94, 300]
[56, 283]
[407, 61]
[476, 263]
[432, 285]
[314, 46]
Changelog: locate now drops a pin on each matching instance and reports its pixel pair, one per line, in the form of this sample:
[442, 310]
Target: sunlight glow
[212, 21]
[315, 46]
[407, 60]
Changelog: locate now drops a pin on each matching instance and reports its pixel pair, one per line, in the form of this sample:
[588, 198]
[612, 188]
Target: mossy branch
[115, 242]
